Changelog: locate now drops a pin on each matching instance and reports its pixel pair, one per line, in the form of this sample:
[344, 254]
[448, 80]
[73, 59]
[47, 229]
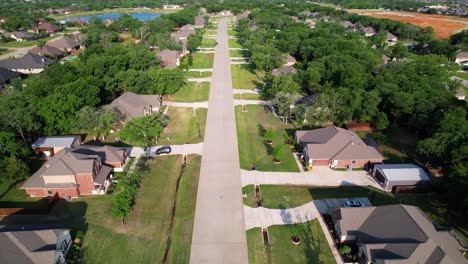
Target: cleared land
[143, 239]
[312, 249]
[192, 92]
[184, 126]
[444, 26]
[253, 149]
[243, 77]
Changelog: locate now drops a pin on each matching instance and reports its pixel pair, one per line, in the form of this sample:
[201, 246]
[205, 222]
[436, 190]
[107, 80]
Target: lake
[116, 16]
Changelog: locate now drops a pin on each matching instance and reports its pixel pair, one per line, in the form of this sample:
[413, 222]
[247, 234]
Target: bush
[345, 249]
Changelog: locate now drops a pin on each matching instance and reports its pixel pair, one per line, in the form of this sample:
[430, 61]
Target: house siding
[85, 182]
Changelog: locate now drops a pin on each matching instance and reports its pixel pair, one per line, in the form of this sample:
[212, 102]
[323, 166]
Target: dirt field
[444, 26]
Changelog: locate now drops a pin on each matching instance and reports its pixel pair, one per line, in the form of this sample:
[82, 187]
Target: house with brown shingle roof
[65, 43]
[368, 31]
[336, 147]
[45, 27]
[395, 234]
[82, 170]
[47, 50]
[199, 21]
[170, 58]
[131, 105]
[391, 39]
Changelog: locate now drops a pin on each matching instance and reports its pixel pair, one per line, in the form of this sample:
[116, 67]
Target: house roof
[79, 36]
[6, 75]
[390, 36]
[290, 60]
[55, 141]
[286, 69]
[398, 232]
[169, 58]
[73, 161]
[103, 174]
[337, 144]
[36, 246]
[199, 21]
[131, 105]
[19, 35]
[64, 43]
[403, 172]
[347, 24]
[462, 55]
[46, 50]
[368, 30]
[47, 27]
[28, 61]
[243, 15]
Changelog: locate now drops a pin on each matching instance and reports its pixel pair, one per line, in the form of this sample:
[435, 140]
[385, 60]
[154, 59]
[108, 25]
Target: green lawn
[277, 196]
[5, 51]
[183, 126]
[143, 239]
[312, 249]
[192, 92]
[202, 61]
[239, 53]
[233, 43]
[253, 150]
[248, 96]
[244, 78]
[463, 75]
[197, 74]
[232, 33]
[208, 43]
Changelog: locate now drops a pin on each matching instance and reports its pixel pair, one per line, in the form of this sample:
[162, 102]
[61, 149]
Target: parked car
[163, 150]
[352, 203]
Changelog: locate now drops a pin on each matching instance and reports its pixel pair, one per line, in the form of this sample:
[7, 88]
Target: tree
[285, 84]
[269, 134]
[397, 52]
[276, 152]
[87, 119]
[284, 103]
[122, 203]
[165, 81]
[14, 169]
[345, 249]
[144, 130]
[107, 117]
[9, 146]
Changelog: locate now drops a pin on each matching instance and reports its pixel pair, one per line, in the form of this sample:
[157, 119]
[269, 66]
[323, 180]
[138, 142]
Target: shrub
[345, 249]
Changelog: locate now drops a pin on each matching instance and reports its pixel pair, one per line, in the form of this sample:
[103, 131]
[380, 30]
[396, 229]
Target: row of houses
[43, 29]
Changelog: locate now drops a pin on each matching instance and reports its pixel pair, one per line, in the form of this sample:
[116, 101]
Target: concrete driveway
[326, 205]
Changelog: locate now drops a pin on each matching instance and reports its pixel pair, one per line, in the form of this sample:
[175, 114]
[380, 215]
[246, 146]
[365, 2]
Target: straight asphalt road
[219, 233]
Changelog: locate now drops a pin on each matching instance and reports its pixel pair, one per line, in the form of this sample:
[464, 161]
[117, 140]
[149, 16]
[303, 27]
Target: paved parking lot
[326, 205]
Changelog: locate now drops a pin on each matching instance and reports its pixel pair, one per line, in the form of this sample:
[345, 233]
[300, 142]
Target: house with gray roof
[199, 21]
[28, 64]
[391, 39]
[285, 70]
[131, 105]
[6, 76]
[392, 176]
[395, 234]
[65, 43]
[82, 170]
[462, 58]
[50, 145]
[19, 36]
[34, 245]
[336, 147]
[348, 25]
[368, 31]
[170, 58]
[47, 50]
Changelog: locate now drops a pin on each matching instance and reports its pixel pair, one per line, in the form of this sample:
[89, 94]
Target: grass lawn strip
[208, 43]
[197, 74]
[253, 150]
[183, 127]
[248, 96]
[202, 61]
[239, 53]
[192, 92]
[233, 43]
[244, 78]
[312, 249]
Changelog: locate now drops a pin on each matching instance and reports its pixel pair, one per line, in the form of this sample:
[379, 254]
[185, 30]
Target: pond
[116, 16]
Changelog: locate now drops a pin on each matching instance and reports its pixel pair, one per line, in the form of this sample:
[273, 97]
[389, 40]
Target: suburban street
[219, 231]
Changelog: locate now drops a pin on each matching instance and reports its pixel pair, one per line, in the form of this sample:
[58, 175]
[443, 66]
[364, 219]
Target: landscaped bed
[313, 247]
[253, 149]
[143, 238]
[184, 127]
[191, 92]
[243, 77]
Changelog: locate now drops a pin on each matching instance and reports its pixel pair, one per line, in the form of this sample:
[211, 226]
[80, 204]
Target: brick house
[84, 170]
[335, 147]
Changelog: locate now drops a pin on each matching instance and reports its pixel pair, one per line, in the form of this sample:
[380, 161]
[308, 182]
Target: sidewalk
[187, 105]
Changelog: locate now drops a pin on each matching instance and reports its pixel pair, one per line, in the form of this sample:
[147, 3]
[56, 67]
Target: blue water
[116, 16]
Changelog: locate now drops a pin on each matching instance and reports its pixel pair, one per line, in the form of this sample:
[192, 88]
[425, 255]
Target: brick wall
[357, 164]
[85, 182]
[320, 162]
[44, 192]
[36, 192]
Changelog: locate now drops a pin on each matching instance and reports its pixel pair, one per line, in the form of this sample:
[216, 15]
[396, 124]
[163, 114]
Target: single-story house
[199, 21]
[170, 58]
[326, 18]
[71, 172]
[290, 60]
[79, 22]
[391, 39]
[19, 36]
[395, 234]
[108, 21]
[460, 94]
[6, 76]
[285, 70]
[390, 176]
[47, 50]
[348, 25]
[34, 244]
[28, 64]
[225, 13]
[65, 43]
[368, 31]
[462, 58]
[49, 146]
[132, 105]
[336, 147]
[45, 27]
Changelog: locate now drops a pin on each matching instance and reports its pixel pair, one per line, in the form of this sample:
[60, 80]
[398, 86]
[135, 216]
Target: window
[49, 192]
[354, 162]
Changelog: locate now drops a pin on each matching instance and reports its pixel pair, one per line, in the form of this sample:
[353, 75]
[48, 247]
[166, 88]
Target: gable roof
[64, 43]
[403, 172]
[337, 144]
[199, 21]
[46, 50]
[169, 58]
[6, 75]
[28, 61]
[47, 27]
[390, 36]
[462, 55]
[286, 69]
[55, 141]
[131, 105]
[19, 35]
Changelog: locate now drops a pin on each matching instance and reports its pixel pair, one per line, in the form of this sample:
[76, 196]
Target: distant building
[47, 50]
[199, 21]
[285, 70]
[368, 31]
[19, 36]
[65, 43]
[348, 25]
[243, 15]
[391, 39]
[172, 7]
